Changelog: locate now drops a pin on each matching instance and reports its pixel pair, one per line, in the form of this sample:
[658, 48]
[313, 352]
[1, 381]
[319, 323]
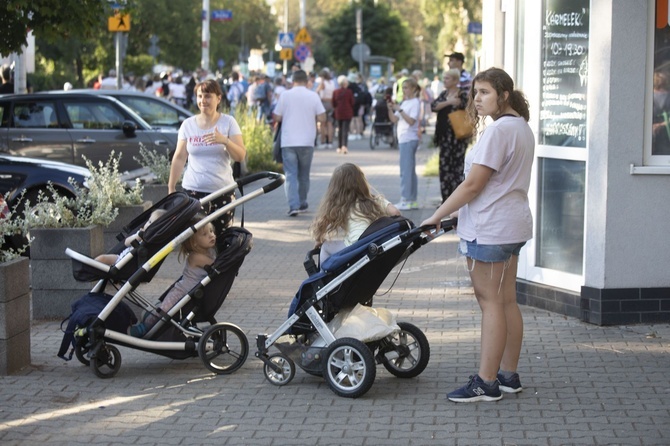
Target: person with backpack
[235, 93]
[263, 97]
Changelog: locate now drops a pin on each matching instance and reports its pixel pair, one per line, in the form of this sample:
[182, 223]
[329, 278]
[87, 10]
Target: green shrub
[432, 167]
[258, 141]
[96, 205]
[157, 163]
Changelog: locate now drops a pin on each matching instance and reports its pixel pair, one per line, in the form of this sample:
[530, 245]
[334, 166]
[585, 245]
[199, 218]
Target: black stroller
[383, 130]
[346, 281]
[100, 320]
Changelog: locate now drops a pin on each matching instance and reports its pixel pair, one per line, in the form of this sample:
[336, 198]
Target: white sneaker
[407, 205]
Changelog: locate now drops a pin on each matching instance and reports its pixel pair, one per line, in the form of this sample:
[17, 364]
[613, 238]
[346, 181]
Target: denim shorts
[489, 253]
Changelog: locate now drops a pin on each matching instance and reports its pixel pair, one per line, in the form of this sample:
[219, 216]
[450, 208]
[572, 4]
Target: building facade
[597, 77]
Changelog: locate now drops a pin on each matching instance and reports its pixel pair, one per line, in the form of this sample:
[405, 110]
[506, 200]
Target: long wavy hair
[501, 83]
[348, 192]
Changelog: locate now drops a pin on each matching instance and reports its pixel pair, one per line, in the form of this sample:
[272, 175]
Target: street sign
[360, 52]
[302, 52]
[474, 28]
[120, 22]
[285, 40]
[222, 15]
[303, 37]
[286, 54]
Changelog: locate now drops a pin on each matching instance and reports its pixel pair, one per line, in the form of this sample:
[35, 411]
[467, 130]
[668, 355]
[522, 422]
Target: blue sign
[475, 28]
[222, 15]
[286, 40]
[220, 63]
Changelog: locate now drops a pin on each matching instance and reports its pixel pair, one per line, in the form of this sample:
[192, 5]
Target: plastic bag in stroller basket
[364, 323]
[87, 308]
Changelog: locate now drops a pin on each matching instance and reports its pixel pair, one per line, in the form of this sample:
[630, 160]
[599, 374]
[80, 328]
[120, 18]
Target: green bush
[95, 205]
[432, 167]
[158, 164]
[258, 141]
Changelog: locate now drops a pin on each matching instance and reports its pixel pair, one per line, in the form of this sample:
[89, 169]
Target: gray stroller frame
[222, 347]
[349, 277]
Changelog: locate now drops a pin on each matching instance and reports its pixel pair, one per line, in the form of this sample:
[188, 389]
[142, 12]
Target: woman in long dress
[452, 150]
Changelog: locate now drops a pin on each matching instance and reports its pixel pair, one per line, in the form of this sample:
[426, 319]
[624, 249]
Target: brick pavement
[584, 385]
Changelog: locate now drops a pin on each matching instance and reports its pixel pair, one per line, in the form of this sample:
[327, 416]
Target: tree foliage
[51, 20]
[383, 31]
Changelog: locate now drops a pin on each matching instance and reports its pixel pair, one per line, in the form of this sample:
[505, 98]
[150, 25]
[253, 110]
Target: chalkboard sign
[565, 43]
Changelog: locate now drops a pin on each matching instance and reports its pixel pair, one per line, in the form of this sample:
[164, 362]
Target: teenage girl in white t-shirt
[494, 222]
[210, 141]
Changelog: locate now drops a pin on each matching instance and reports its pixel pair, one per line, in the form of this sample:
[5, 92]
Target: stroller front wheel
[107, 362]
[349, 367]
[223, 348]
[285, 373]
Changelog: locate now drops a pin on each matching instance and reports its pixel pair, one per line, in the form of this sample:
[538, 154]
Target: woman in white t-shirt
[494, 222]
[210, 141]
[406, 116]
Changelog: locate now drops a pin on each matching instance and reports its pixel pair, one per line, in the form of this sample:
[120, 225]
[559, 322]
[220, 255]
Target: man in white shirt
[298, 109]
[109, 83]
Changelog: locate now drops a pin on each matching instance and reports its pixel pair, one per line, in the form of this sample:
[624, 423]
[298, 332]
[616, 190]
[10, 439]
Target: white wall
[627, 242]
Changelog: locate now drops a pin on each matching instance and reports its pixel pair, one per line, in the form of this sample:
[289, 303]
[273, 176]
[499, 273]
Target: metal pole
[359, 37]
[285, 65]
[119, 66]
[303, 21]
[204, 60]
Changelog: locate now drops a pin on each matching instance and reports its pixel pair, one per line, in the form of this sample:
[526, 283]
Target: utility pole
[204, 60]
[285, 65]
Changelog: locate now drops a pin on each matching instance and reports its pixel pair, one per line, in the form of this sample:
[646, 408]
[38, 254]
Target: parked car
[158, 112]
[27, 176]
[22, 179]
[64, 126]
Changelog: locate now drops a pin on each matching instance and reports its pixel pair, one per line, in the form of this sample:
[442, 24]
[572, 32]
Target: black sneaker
[512, 385]
[293, 212]
[303, 208]
[476, 390]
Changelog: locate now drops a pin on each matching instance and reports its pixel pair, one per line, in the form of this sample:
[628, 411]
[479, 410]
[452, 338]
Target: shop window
[560, 220]
[660, 138]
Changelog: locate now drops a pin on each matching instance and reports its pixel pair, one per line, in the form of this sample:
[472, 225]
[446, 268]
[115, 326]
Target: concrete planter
[126, 215]
[54, 287]
[154, 192]
[14, 315]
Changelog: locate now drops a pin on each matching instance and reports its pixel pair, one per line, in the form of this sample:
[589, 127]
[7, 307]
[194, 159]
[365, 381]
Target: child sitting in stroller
[199, 251]
[111, 259]
[347, 209]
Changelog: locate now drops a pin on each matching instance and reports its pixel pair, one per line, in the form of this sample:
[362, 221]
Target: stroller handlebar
[445, 226]
[278, 180]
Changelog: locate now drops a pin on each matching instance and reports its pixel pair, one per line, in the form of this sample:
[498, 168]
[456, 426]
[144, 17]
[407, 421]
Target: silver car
[66, 126]
[156, 111]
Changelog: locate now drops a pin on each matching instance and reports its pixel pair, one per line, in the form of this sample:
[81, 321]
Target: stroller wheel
[107, 362]
[284, 375]
[223, 348]
[349, 367]
[408, 353]
[80, 352]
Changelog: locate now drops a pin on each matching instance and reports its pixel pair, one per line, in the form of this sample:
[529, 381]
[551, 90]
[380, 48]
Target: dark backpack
[85, 310]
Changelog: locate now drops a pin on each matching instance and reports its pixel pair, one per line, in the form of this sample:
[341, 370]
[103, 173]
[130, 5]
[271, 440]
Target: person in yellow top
[397, 87]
